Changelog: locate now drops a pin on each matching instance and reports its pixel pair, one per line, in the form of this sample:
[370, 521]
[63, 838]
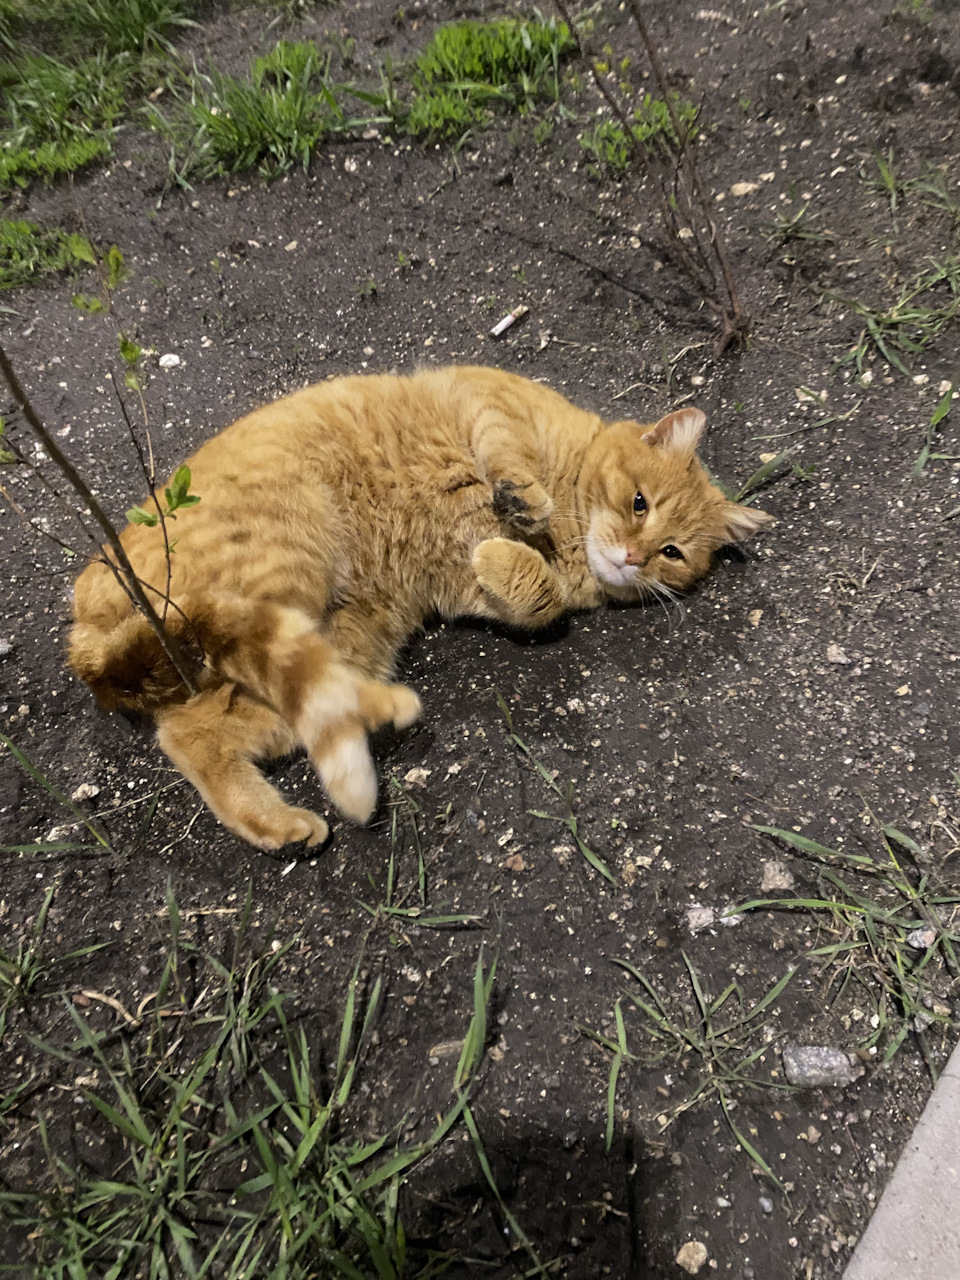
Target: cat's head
[654, 518]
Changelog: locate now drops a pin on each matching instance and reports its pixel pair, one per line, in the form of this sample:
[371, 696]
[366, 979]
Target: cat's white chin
[609, 564]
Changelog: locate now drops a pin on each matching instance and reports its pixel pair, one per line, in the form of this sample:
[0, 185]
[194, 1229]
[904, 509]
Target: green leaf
[902, 839]
[943, 408]
[116, 267]
[131, 380]
[87, 302]
[129, 350]
[179, 487]
[137, 515]
[81, 248]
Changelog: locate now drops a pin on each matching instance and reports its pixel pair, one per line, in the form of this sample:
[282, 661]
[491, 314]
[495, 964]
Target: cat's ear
[679, 431]
[740, 522]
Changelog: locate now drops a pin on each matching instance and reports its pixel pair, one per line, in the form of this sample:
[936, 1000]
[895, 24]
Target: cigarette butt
[510, 319]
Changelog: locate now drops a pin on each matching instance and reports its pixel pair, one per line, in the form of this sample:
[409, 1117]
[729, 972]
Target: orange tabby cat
[333, 523]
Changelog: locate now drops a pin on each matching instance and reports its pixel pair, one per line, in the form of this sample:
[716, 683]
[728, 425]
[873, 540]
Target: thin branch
[132, 585]
[736, 318]
[151, 475]
[676, 203]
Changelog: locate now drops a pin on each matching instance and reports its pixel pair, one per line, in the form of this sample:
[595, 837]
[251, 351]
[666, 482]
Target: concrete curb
[914, 1233]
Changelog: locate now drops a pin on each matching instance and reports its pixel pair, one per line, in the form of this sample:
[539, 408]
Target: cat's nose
[635, 556]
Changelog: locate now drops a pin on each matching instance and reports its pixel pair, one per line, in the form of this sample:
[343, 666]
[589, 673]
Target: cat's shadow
[558, 630]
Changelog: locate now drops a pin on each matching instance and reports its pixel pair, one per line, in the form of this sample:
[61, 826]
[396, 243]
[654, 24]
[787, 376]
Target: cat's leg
[506, 453]
[214, 740]
[516, 584]
[368, 634]
[279, 654]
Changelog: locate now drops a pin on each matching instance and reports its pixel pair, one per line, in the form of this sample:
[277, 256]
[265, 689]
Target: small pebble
[923, 938]
[85, 791]
[6, 647]
[692, 1256]
[169, 361]
[699, 918]
[836, 654]
[776, 877]
[819, 1066]
[766, 1204]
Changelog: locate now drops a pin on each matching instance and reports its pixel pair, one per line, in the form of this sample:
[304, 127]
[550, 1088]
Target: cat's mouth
[609, 565]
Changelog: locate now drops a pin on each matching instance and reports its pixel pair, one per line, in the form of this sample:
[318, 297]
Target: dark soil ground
[678, 733]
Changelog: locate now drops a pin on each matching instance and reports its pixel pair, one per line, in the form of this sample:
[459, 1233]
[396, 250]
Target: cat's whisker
[666, 597]
[578, 540]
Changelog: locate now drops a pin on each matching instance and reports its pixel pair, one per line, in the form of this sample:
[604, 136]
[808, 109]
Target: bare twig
[736, 318]
[149, 470]
[677, 203]
[124, 569]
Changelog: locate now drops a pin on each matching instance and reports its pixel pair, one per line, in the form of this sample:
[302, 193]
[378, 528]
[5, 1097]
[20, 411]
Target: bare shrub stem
[123, 569]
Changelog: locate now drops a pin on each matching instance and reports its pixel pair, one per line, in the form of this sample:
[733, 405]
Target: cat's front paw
[527, 507]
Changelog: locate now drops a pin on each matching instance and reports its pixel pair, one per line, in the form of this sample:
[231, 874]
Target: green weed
[80, 818]
[885, 178]
[888, 938]
[569, 819]
[470, 68]
[393, 907]
[791, 228]
[940, 412]
[23, 970]
[126, 26]
[56, 118]
[227, 1151]
[933, 189]
[29, 253]
[720, 1033]
[73, 69]
[651, 126]
[925, 307]
[272, 120]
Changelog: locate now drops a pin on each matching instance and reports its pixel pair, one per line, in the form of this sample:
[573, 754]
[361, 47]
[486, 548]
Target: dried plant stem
[124, 570]
[676, 204]
[149, 470]
[736, 317]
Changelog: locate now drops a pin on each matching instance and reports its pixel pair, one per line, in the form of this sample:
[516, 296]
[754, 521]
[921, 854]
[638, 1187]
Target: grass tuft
[725, 1035]
[926, 306]
[890, 932]
[470, 68]
[272, 120]
[223, 1145]
[57, 118]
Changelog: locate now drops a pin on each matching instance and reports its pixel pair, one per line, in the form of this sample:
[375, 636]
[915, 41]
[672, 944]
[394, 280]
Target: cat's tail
[272, 651]
[115, 651]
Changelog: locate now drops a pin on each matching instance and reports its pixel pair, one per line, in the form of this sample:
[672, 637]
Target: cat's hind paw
[382, 704]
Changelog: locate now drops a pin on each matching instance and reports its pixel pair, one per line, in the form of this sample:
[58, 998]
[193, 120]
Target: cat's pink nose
[636, 557]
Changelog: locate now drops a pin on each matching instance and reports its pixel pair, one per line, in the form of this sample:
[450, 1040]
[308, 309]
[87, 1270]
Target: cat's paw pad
[527, 505]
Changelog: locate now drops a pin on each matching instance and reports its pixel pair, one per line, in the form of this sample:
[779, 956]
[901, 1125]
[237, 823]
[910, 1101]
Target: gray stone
[819, 1067]
[777, 877]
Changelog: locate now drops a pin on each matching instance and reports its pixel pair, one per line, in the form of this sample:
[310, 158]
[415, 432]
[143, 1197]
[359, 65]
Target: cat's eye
[639, 504]
[671, 552]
